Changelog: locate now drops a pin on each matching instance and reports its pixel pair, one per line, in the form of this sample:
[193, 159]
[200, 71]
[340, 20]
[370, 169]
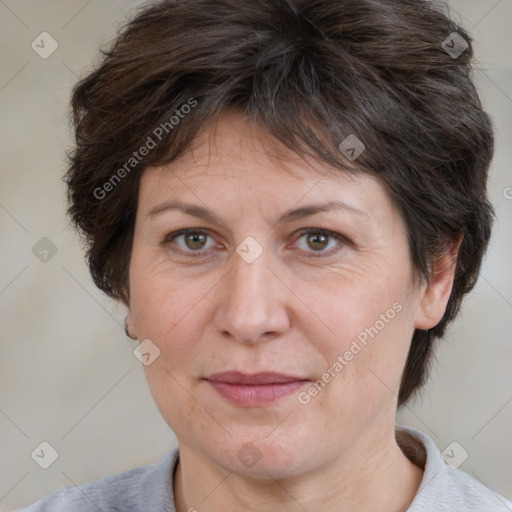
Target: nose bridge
[253, 305]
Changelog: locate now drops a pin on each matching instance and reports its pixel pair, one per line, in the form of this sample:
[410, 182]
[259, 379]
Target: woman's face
[250, 291]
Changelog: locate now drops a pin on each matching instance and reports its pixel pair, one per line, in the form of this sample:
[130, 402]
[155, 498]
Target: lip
[262, 378]
[254, 390]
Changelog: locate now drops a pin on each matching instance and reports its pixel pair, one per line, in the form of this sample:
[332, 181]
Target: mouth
[255, 390]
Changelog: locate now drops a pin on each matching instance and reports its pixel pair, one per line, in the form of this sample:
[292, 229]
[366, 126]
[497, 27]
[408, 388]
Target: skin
[285, 312]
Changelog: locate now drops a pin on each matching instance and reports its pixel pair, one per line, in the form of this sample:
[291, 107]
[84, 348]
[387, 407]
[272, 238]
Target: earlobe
[129, 327]
[435, 295]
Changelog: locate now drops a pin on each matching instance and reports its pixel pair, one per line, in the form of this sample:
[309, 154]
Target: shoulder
[445, 488]
[150, 485]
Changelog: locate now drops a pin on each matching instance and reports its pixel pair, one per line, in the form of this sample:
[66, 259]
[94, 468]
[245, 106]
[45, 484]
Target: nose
[253, 304]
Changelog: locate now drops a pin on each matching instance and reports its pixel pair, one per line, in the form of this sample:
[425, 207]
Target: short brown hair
[312, 72]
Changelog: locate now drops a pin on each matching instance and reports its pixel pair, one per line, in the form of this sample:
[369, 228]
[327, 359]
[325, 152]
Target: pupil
[314, 238]
[196, 240]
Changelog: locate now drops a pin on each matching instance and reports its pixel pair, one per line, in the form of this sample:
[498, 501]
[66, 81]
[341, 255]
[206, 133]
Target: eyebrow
[288, 216]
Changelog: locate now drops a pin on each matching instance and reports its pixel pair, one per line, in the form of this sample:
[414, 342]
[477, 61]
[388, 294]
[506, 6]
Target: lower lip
[255, 395]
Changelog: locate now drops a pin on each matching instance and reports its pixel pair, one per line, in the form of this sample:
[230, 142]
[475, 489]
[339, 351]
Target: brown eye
[190, 241]
[195, 241]
[317, 241]
[321, 242]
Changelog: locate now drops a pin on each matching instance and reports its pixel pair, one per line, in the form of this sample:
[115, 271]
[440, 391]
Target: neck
[373, 474]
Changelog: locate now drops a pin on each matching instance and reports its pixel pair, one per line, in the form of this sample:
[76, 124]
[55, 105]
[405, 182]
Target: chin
[264, 457]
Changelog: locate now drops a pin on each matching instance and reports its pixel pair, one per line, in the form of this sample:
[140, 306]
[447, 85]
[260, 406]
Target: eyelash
[317, 231]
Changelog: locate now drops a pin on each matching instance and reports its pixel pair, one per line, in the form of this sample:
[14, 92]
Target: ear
[129, 325]
[434, 295]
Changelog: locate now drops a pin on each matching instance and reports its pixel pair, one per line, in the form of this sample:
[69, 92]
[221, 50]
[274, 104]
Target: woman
[290, 199]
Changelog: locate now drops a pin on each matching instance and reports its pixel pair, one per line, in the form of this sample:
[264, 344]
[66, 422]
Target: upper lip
[254, 379]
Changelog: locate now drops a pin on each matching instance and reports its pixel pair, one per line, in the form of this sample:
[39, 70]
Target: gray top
[150, 488]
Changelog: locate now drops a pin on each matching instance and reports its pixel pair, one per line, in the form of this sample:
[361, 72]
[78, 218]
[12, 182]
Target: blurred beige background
[68, 375]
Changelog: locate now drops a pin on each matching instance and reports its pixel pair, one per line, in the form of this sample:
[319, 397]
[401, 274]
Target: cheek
[344, 307]
[161, 299]
[173, 397]
[363, 330]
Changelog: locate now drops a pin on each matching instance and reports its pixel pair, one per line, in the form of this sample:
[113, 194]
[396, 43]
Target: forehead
[236, 159]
